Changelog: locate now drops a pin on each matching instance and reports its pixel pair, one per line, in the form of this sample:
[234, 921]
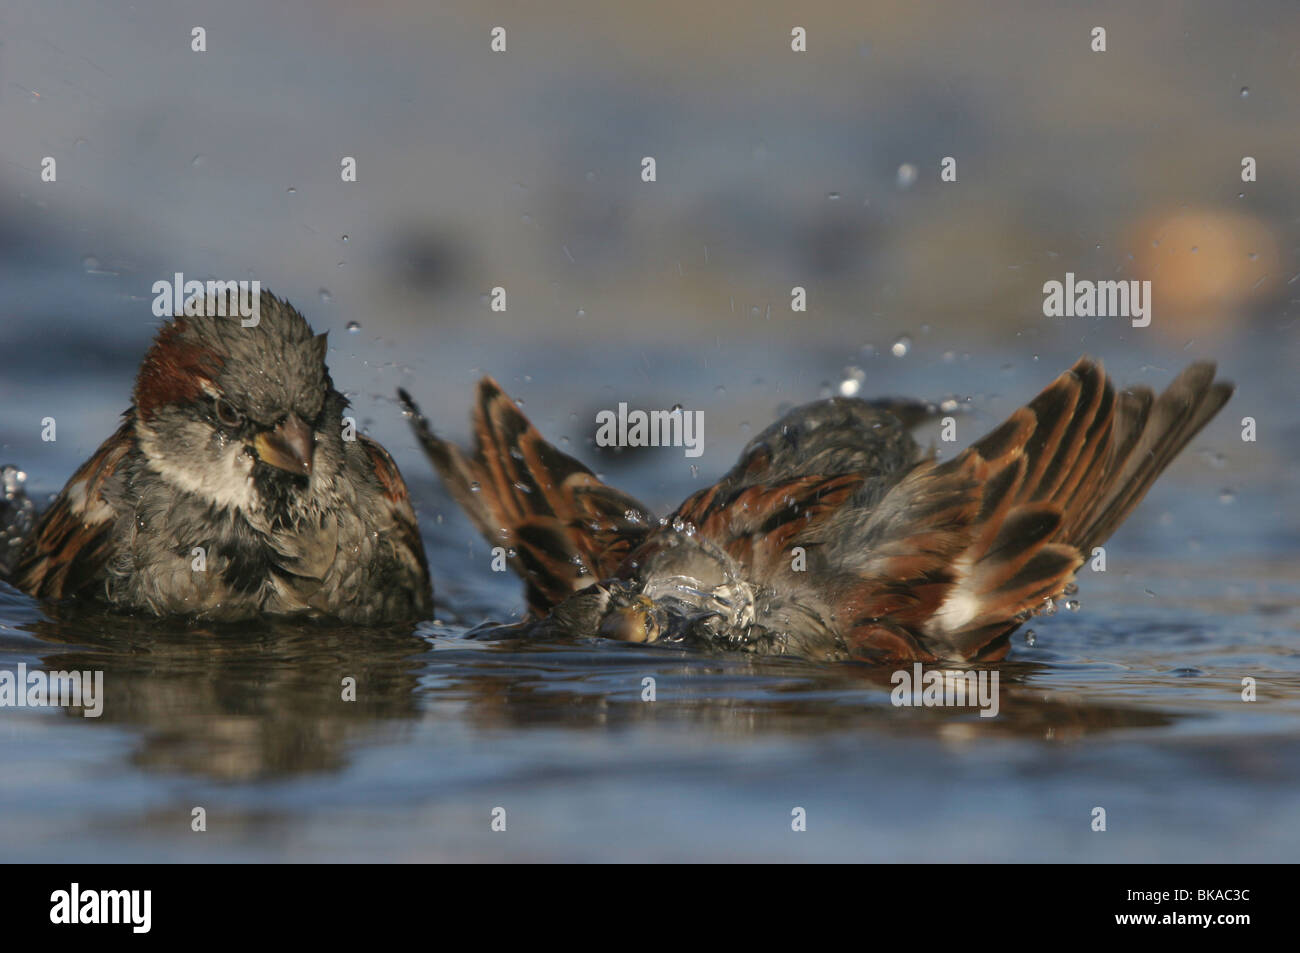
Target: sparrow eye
[227, 414]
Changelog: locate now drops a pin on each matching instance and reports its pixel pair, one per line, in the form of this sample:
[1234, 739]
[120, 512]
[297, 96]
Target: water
[1133, 703]
[1134, 710]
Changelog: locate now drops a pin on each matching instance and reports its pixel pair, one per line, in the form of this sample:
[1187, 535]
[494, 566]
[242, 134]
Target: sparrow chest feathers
[216, 548]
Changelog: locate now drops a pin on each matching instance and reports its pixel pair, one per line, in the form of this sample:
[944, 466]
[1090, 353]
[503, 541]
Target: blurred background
[820, 169]
[522, 170]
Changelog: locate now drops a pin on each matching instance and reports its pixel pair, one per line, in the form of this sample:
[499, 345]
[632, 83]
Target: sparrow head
[632, 616]
[676, 609]
[238, 415]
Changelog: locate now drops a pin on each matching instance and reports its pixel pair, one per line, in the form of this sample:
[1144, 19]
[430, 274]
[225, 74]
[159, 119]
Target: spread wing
[797, 473]
[566, 527]
[72, 542]
[953, 556]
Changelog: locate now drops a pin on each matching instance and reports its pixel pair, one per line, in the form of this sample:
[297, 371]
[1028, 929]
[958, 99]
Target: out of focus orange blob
[1206, 266]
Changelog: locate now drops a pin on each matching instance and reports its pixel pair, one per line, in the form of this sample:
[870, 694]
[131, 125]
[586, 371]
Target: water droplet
[1245, 92]
[12, 480]
[1073, 604]
[1071, 589]
[80, 142]
[324, 295]
[900, 347]
[474, 487]
[852, 382]
[1252, 255]
[1031, 637]
[906, 175]
[291, 190]
[1227, 496]
[582, 312]
[199, 161]
[833, 196]
[1241, 195]
[353, 327]
[90, 263]
[344, 238]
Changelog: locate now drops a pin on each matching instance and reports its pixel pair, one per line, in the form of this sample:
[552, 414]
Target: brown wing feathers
[1150, 434]
[1024, 507]
[757, 524]
[71, 543]
[567, 528]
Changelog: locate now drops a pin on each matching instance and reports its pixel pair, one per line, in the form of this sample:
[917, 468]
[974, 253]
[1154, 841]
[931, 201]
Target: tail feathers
[567, 528]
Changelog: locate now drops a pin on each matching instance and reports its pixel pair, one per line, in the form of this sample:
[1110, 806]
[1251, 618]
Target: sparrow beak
[288, 447]
[631, 623]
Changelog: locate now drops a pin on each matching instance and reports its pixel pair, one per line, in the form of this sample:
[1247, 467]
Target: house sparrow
[231, 490]
[834, 536]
